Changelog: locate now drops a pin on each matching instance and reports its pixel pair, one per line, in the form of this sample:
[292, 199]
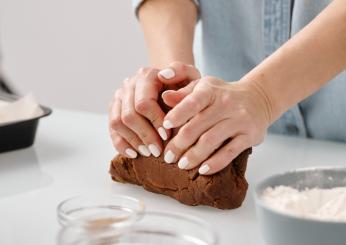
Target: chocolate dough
[225, 189]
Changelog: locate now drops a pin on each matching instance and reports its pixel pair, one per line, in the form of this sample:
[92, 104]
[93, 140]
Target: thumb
[173, 97]
[178, 72]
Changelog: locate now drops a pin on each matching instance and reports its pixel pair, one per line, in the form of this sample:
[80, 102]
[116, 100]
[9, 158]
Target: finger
[190, 132]
[189, 107]
[117, 125]
[225, 155]
[178, 72]
[207, 144]
[122, 146]
[173, 97]
[147, 91]
[137, 123]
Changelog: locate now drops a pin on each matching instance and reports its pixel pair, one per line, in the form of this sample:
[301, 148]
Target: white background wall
[70, 53]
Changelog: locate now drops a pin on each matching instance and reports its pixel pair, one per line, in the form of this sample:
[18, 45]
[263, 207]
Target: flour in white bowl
[320, 204]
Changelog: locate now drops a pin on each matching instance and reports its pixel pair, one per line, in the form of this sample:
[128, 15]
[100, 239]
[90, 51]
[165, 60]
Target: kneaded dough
[225, 189]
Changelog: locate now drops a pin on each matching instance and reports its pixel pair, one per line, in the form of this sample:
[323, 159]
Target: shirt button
[292, 129]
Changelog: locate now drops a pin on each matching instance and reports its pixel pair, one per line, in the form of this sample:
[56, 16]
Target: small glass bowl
[99, 211]
[154, 228]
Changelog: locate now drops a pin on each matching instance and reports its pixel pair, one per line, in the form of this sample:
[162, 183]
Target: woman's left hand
[218, 121]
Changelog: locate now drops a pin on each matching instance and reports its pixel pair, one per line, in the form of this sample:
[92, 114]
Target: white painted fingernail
[169, 157]
[163, 93]
[183, 162]
[167, 73]
[203, 169]
[144, 150]
[131, 153]
[154, 150]
[162, 133]
[167, 124]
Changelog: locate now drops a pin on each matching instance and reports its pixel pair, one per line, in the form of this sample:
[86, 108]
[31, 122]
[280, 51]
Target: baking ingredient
[225, 189]
[21, 109]
[315, 203]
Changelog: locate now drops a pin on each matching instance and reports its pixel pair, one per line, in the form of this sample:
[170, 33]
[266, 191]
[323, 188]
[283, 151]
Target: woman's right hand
[135, 117]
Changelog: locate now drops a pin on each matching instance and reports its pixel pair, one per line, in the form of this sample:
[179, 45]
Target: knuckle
[194, 103]
[212, 80]
[186, 131]
[117, 93]
[117, 142]
[144, 71]
[244, 116]
[147, 74]
[231, 151]
[208, 139]
[180, 141]
[128, 117]
[243, 112]
[226, 100]
[146, 136]
[125, 83]
[115, 122]
[205, 91]
[143, 106]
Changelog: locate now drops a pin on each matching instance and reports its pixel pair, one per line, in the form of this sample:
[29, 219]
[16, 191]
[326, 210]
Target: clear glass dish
[99, 211]
[154, 228]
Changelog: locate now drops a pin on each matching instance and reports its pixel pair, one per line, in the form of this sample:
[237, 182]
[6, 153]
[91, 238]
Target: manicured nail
[131, 153]
[144, 150]
[162, 133]
[169, 157]
[167, 124]
[154, 150]
[204, 169]
[167, 73]
[163, 93]
[166, 92]
[183, 162]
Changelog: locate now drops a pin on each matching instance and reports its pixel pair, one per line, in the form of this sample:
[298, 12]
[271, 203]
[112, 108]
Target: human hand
[218, 121]
[135, 117]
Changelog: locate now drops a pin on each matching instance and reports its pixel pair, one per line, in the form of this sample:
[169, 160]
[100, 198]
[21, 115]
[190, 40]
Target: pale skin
[218, 119]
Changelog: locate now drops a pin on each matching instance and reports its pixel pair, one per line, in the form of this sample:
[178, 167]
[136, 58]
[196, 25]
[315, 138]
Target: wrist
[263, 99]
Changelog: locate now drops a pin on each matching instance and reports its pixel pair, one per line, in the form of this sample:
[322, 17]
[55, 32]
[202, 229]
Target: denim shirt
[234, 36]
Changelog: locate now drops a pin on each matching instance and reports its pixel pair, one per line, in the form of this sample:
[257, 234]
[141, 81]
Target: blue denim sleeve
[137, 4]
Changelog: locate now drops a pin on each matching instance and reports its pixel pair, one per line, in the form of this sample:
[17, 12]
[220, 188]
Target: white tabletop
[71, 156]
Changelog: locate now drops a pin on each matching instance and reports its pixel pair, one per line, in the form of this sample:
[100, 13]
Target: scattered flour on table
[320, 204]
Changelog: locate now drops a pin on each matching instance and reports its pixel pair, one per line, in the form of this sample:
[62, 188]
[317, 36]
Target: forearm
[305, 63]
[168, 28]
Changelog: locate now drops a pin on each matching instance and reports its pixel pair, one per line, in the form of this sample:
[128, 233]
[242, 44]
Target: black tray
[19, 134]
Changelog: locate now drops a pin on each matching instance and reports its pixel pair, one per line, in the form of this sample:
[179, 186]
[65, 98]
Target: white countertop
[71, 156]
